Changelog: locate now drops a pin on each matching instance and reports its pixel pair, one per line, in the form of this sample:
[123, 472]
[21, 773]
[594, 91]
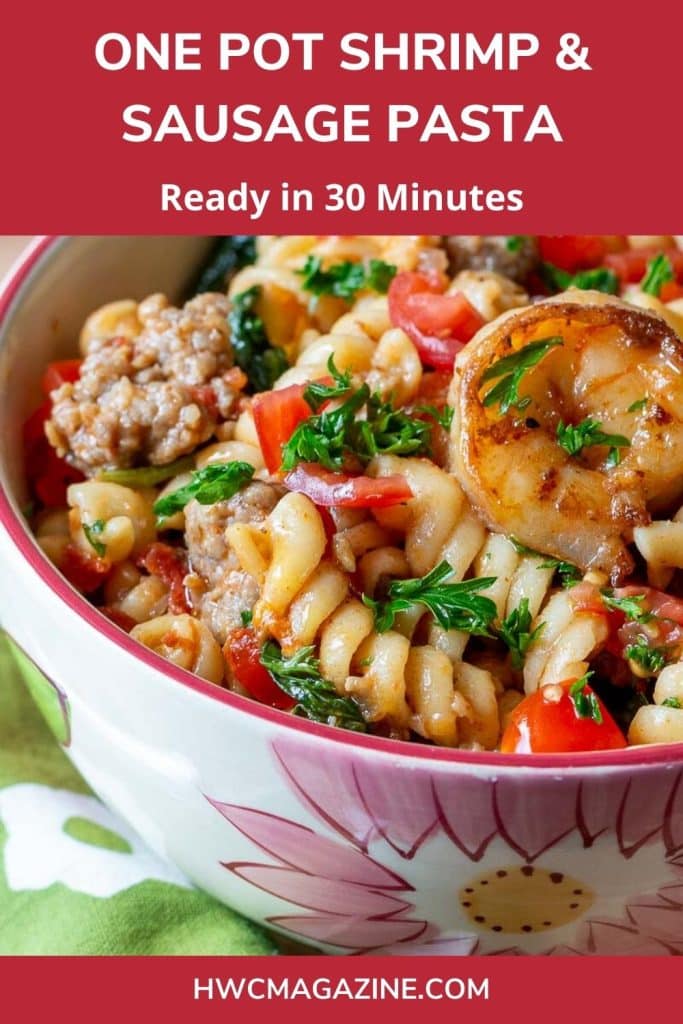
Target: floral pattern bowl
[350, 843]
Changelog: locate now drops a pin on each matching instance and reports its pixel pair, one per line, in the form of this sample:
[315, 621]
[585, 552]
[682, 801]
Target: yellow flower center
[524, 899]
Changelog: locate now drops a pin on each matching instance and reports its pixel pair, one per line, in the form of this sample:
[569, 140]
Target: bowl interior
[42, 309]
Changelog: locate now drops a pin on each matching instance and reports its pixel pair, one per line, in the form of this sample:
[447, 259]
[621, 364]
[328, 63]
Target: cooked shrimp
[617, 365]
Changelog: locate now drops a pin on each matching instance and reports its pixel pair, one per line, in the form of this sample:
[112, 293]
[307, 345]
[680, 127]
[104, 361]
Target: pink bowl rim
[656, 754]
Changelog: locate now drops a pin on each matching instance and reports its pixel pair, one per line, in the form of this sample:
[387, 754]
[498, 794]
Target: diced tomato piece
[169, 565]
[34, 427]
[547, 722]
[631, 266]
[342, 491]
[438, 325]
[277, 414]
[572, 252]
[51, 485]
[48, 475]
[586, 597]
[671, 290]
[67, 371]
[86, 572]
[242, 654]
[656, 601]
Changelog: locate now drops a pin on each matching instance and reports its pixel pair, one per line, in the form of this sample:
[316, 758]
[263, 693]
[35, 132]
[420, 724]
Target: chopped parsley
[331, 436]
[345, 279]
[510, 369]
[443, 416]
[515, 632]
[216, 482]
[379, 276]
[316, 698]
[588, 433]
[92, 531]
[453, 605]
[631, 607]
[317, 393]
[650, 659]
[636, 406]
[599, 279]
[671, 702]
[659, 272]
[522, 549]
[261, 362]
[513, 243]
[569, 574]
[613, 457]
[389, 431]
[585, 703]
[325, 438]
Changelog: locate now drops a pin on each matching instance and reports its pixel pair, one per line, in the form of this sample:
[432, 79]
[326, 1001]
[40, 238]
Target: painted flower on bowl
[350, 900]
[592, 865]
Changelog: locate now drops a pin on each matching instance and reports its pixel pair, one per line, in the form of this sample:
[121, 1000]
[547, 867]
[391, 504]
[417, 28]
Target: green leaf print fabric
[74, 879]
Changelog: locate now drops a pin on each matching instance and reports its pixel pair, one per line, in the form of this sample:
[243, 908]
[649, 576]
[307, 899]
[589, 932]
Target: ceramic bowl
[349, 843]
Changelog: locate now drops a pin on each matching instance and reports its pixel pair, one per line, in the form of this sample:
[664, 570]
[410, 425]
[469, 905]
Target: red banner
[476, 100]
[262, 988]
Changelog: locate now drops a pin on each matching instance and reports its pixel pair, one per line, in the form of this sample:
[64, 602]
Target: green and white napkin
[74, 879]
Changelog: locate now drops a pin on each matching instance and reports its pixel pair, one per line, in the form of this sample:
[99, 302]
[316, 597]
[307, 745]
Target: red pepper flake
[170, 566]
[205, 396]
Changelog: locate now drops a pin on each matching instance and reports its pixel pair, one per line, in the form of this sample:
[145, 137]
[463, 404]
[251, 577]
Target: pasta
[654, 724]
[388, 478]
[53, 534]
[185, 641]
[124, 518]
[136, 596]
[297, 541]
[116, 319]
